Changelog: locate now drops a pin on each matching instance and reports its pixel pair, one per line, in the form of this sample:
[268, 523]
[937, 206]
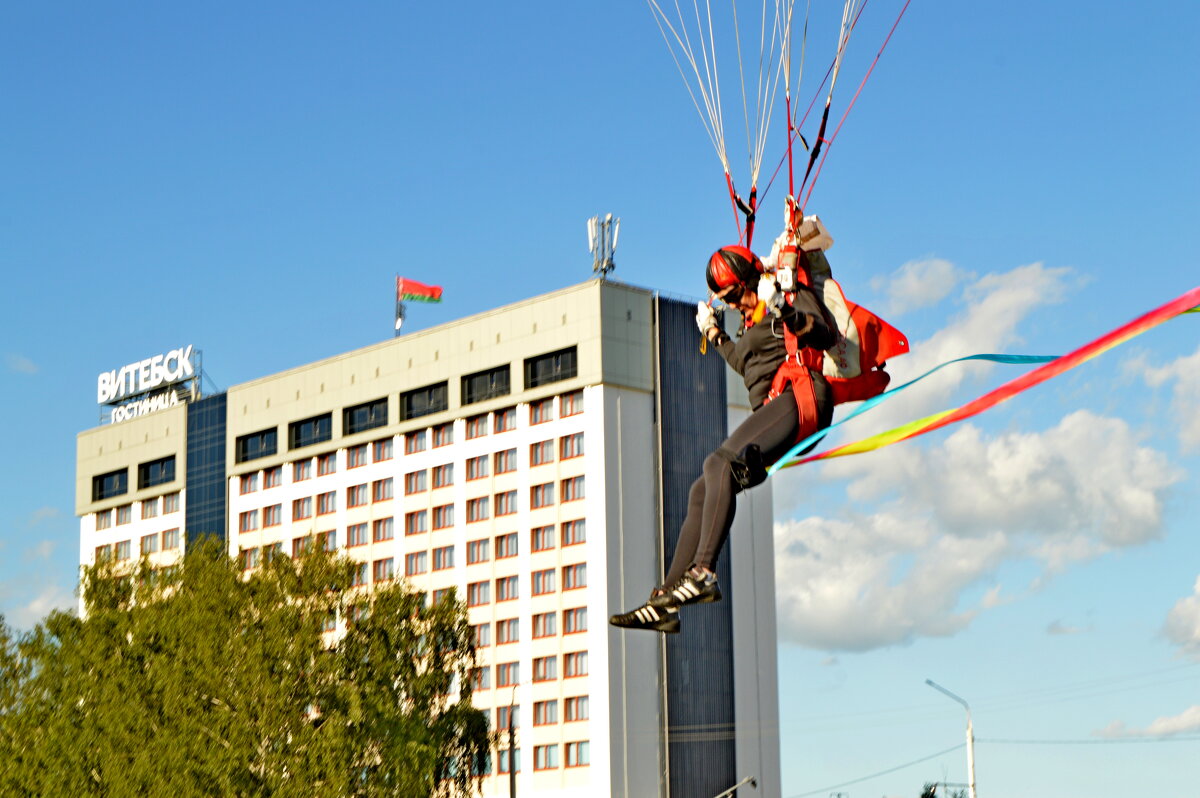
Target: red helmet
[730, 265]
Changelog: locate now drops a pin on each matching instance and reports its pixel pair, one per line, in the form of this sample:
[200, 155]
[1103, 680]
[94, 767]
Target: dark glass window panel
[423, 401]
[256, 445]
[156, 472]
[368, 415]
[486, 385]
[551, 367]
[317, 429]
[114, 483]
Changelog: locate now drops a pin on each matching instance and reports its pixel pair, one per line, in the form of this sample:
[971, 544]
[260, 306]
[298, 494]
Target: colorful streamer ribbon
[1187, 303]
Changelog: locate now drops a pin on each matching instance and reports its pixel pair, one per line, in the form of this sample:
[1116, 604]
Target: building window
[249, 558]
[248, 521]
[302, 508]
[482, 635]
[443, 517]
[326, 464]
[574, 576]
[505, 420]
[506, 503]
[122, 551]
[272, 477]
[443, 475]
[114, 483]
[382, 570]
[171, 503]
[369, 415]
[358, 578]
[545, 668]
[383, 529]
[575, 620]
[545, 757]
[571, 446]
[506, 545]
[150, 508]
[550, 367]
[326, 503]
[477, 467]
[414, 442]
[381, 490]
[381, 450]
[502, 754]
[356, 535]
[170, 539]
[301, 546]
[507, 631]
[309, 431]
[356, 456]
[574, 532]
[273, 515]
[570, 404]
[543, 582]
[423, 401]
[576, 708]
[506, 461]
[477, 551]
[149, 544]
[507, 717]
[416, 563]
[477, 509]
[124, 514]
[248, 483]
[256, 444]
[575, 664]
[578, 754]
[545, 712]
[414, 482]
[481, 678]
[506, 588]
[508, 674]
[572, 489]
[478, 593]
[301, 470]
[541, 453]
[541, 411]
[443, 558]
[104, 519]
[485, 385]
[544, 623]
[443, 435]
[156, 472]
[327, 541]
[541, 495]
[415, 523]
[442, 594]
[104, 553]
[356, 496]
[542, 538]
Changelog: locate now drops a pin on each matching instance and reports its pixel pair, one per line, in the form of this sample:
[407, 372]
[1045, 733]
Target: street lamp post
[970, 734]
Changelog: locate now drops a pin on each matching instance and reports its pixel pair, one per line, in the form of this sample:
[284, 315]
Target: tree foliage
[199, 681]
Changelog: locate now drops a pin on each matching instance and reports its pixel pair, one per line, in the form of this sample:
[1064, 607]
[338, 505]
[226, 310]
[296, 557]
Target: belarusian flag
[411, 290]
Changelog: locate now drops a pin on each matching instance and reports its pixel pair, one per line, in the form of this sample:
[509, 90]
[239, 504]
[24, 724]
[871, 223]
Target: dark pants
[773, 428]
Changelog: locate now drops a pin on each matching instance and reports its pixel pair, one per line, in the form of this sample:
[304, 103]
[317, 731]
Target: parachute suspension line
[843, 39]
[787, 85]
[853, 100]
[706, 84]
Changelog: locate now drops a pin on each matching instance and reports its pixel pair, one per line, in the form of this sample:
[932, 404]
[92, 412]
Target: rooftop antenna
[602, 241]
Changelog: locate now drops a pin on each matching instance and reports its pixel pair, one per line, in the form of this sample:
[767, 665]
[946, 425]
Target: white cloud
[951, 515]
[1183, 622]
[1057, 627]
[52, 597]
[918, 284]
[1184, 376]
[43, 514]
[20, 364]
[1185, 722]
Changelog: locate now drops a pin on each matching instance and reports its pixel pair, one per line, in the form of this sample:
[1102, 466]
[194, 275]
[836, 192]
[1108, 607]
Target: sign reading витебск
[142, 377]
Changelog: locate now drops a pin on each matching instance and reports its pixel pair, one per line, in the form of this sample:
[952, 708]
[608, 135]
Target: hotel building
[536, 458]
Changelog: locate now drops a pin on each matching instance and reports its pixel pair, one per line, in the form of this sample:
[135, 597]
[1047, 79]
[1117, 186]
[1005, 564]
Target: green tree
[199, 681]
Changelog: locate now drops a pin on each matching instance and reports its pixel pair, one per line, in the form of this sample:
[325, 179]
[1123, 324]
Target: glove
[768, 292]
[706, 318]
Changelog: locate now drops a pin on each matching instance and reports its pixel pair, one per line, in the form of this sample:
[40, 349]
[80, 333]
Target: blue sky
[1016, 177]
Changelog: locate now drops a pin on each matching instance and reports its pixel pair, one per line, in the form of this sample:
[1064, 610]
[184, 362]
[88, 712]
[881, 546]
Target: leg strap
[747, 467]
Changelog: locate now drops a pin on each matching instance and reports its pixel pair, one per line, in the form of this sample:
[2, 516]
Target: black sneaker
[688, 590]
[648, 617]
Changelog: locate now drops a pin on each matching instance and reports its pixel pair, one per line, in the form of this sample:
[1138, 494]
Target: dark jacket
[760, 350]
